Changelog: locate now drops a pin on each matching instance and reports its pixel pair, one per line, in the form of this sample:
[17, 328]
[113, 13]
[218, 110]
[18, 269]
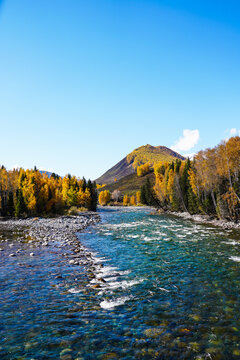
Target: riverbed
[134, 286]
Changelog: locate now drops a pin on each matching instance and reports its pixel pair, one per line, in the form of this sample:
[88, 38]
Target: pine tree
[147, 194]
[84, 184]
[192, 202]
[143, 195]
[10, 204]
[20, 208]
[184, 182]
[93, 192]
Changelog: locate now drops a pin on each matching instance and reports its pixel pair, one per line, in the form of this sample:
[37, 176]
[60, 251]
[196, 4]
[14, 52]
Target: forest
[209, 184]
[32, 193]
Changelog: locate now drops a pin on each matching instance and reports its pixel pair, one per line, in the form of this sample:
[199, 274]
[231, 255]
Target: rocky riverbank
[23, 239]
[206, 219]
[60, 231]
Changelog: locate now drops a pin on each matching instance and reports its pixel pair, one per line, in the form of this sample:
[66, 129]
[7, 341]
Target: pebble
[60, 231]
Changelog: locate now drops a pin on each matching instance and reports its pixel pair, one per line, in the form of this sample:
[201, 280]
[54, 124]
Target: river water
[161, 288]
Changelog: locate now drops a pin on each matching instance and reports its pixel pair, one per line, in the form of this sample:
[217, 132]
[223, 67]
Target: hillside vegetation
[210, 184]
[130, 184]
[151, 154]
[142, 155]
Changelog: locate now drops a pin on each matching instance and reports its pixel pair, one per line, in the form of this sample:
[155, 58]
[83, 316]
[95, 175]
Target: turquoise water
[155, 287]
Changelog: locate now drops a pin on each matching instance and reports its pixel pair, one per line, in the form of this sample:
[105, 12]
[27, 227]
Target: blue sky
[83, 83]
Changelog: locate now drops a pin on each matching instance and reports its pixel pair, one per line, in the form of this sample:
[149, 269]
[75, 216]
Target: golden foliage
[138, 197]
[143, 169]
[126, 200]
[99, 186]
[150, 154]
[42, 194]
[133, 200]
[104, 197]
[208, 184]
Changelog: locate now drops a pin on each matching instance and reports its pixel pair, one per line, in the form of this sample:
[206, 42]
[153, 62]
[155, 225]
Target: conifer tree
[147, 194]
[93, 193]
[184, 182]
[20, 208]
[143, 195]
[10, 204]
[84, 184]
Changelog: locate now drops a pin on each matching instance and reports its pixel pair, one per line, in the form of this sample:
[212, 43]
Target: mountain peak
[141, 155]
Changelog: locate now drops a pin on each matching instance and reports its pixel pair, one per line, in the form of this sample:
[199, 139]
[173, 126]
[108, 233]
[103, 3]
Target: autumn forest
[31, 193]
[208, 184]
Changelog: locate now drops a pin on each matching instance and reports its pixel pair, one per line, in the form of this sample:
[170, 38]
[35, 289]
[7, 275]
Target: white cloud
[190, 156]
[187, 141]
[16, 166]
[232, 132]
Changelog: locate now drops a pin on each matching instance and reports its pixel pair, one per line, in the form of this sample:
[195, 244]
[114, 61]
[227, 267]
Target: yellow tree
[170, 185]
[126, 200]
[65, 188]
[143, 169]
[104, 197]
[28, 187]
[160, 187]
[133, 200]
[138, 197]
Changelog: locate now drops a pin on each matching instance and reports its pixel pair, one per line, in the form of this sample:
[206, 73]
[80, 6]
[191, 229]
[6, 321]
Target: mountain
[49, 174]
[45, 172]
[130, 184]
[142, 155]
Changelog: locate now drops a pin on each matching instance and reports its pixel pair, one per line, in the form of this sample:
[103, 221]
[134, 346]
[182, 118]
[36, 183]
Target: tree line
[32, 193]
[106, 198]
[209, 184]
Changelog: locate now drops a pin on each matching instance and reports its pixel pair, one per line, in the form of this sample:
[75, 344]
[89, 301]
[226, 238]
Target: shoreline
[205, 219]
[33, 236]
[61, 230]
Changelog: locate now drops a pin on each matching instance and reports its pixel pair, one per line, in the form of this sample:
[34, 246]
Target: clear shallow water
[167, 289]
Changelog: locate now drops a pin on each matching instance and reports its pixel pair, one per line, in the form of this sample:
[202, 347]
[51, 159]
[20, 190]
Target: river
[159, 287]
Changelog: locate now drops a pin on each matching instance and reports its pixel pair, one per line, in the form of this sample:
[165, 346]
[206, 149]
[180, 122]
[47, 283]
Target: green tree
[147, 194]
[184, 182]
[20, 208]
[10, 204]
[92, 187]
[84, 184]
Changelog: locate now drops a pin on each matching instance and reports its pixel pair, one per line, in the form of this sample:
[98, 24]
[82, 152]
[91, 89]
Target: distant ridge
[142, 155]
[49, 173]
[46, 172]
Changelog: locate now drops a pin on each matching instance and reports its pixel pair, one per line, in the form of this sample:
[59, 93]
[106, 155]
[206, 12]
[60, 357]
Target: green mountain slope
[130, 184]
[142, 155]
